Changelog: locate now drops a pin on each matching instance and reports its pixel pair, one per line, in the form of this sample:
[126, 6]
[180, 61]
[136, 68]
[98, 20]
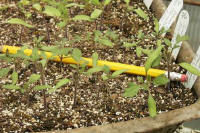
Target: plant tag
[170, 14]
[181, 28]
[147, 3]
[191, 77]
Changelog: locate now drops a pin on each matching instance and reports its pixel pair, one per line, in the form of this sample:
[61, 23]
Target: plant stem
[43, 83]
[76, 75]
[47, 28]
[61, 63]
[169, 60]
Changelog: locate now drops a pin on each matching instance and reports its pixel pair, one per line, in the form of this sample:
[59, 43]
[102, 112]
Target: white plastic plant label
[191, 77]
[148, 3]
[181, 28]
[170, 14]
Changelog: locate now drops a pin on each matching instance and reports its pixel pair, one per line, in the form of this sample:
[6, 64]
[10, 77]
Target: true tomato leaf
[190, 68]
[4, 72]
[11, 86]
[94, 59]
[14, 77]
[94, 70]
[61, 83]
[52, 11]
[77, 55]
[82, 17]
[117, 73]
[132, 90]
[20, 22]
[152, 57]
[141, 13]
[160, 80]
[95, 14]
[33, 78]
[152, 106]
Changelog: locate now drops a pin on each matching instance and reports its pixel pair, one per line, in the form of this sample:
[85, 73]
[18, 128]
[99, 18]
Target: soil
[97, 102]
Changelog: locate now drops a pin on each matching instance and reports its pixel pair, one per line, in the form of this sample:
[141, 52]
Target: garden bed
[97, 102]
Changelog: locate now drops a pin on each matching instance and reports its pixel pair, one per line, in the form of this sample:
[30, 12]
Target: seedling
[133, 88]
[94, 15]
[80, 68]
[59, 50]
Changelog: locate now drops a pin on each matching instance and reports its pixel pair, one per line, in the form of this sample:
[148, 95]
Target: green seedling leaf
[95, 2]
[95, 14]
[141, 13]
[74, 66]
[127, 1]
[106, 42]
[5, 58]
[62, 24]
[4, 7]
[82, 17]
[11, 86]
[126, 44]
[76, 55]
[98, 33]
[74, 4]
[20, 22]
[140, 79]
[106, 2]
[167, 42]
[156, 27]
[190, 68]
[94, 59]
[94, 70]
[37, 6]
[61, 83]
[104, 77]
[117, 73]
[152, 106]
[41, 87]
[132, 90]
[152, 58]
[83, 66]
[146, 51]
[33, 78]
[50, 48]
[158, 43]
[140, 34]
[160, 80]
[35, 56]
[156, 62]
[14, 77]
[4, 72]
[138, 51]
[24, 2]
[43, 62]
[181, 38]
[106, 69]
[111, 34]
[52, 11]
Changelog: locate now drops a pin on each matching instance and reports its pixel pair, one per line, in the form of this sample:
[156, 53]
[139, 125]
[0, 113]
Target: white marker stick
[181, 28]
[170, 14]
[148, 3]
[191, 77]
